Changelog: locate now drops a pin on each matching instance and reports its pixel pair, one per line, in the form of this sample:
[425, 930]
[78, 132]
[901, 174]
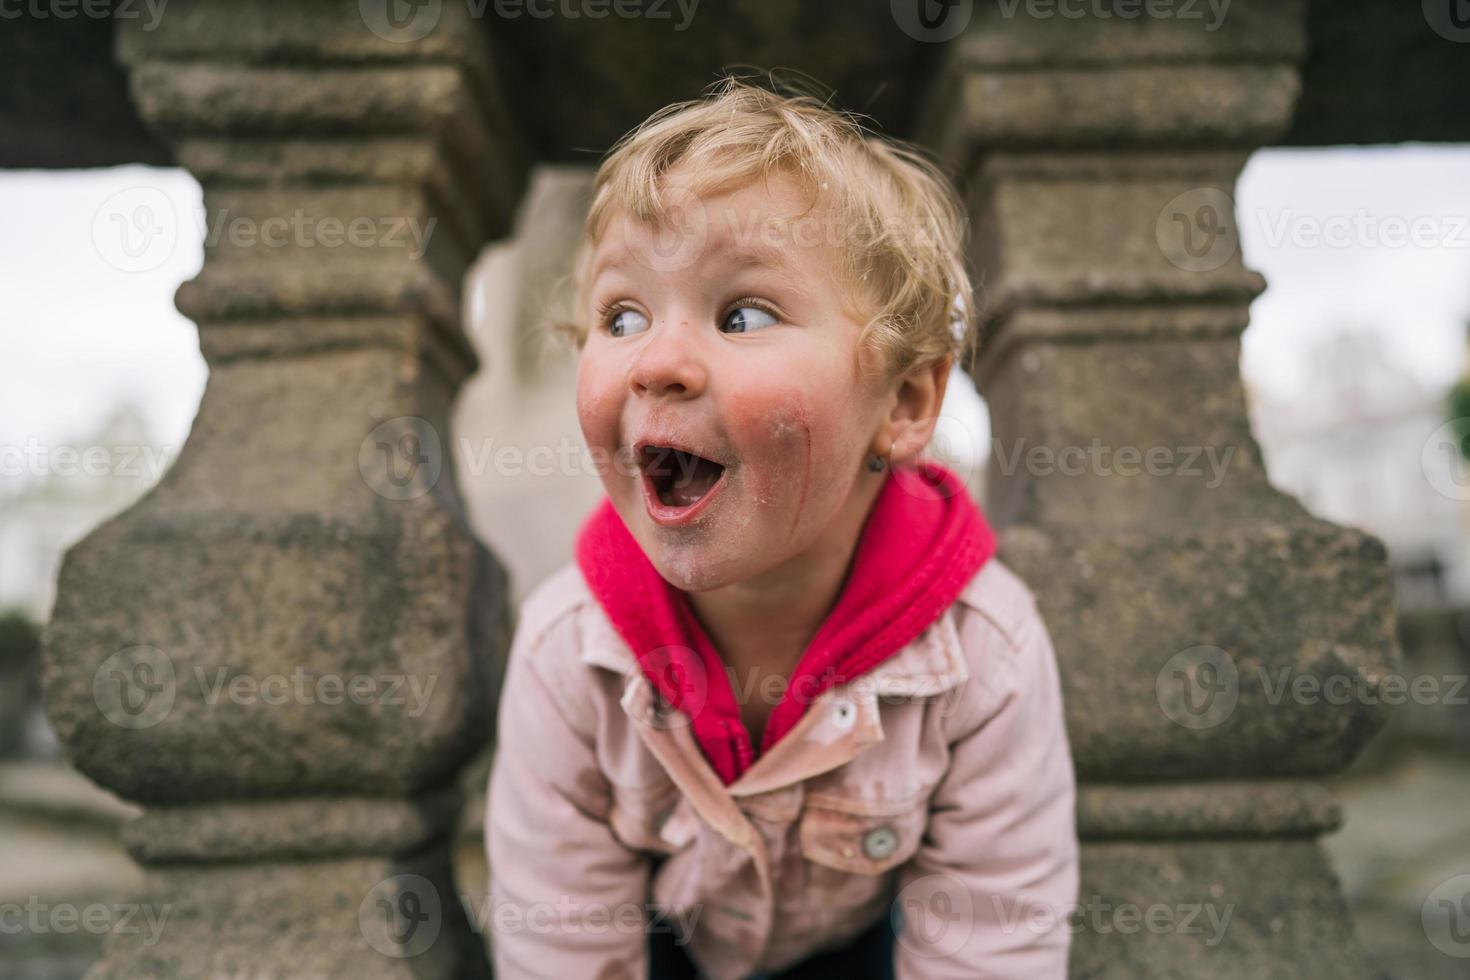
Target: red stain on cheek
[597, 395]
[782, 446]
[806, 476]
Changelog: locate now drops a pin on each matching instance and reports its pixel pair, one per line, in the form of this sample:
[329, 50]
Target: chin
[690, 568]
[724, 548]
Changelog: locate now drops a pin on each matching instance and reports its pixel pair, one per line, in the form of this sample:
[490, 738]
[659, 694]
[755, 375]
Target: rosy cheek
[597, 404]
[773, 436]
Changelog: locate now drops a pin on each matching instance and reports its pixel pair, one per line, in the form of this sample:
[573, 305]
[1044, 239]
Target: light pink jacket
[938, 786]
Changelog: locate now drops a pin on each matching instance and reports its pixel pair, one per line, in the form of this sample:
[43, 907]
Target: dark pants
[867, 957]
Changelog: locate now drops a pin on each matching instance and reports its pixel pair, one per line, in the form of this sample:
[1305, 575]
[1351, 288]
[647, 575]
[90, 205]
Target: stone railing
[1099, 156]
[288, 649]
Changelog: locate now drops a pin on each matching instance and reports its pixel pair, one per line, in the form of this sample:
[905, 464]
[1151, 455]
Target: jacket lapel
[931, 665]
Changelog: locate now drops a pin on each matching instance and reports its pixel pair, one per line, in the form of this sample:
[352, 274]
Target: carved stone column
[289, 648]
[1220, 647]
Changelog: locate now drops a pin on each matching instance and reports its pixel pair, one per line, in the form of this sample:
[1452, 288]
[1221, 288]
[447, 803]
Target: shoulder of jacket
[997, 599]
[554, 602]
[1004, 641]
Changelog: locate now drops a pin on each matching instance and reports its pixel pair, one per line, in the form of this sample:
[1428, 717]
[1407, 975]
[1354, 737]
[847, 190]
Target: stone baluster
[288, 649]
[1195, 609]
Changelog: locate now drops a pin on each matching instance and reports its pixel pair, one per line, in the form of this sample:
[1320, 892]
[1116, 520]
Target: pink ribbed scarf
[922, 542]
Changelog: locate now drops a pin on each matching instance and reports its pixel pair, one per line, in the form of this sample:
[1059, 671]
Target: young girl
[785, 714]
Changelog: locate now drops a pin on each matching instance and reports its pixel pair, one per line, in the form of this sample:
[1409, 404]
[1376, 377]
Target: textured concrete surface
[290, 647]
[1096, 154]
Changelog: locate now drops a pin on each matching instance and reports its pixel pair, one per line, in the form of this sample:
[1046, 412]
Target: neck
[774, 615]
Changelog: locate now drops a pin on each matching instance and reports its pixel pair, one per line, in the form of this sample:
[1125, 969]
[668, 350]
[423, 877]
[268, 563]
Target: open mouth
[677, 477]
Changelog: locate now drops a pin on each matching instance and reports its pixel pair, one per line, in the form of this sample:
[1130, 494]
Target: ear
[916, 400]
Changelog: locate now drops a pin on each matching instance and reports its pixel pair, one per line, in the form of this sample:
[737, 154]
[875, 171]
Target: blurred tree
[1459, 403]
[20, 679]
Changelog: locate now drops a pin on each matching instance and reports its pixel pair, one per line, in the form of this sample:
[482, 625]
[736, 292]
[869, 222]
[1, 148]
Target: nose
[668, 363]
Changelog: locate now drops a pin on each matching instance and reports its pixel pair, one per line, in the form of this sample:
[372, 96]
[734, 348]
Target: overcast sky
[1333, 232]
[89, 320]
[79, 334]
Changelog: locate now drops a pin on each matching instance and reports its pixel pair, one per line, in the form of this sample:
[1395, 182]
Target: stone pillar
[289, 648]
[1182, 590]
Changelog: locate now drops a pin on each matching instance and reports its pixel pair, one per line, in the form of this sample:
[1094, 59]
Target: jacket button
[880, 842]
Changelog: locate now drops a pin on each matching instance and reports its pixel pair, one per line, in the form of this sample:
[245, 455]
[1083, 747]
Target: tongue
[691, 484]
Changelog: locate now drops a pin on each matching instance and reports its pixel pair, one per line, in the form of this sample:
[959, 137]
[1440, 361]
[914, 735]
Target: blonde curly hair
[901, 223]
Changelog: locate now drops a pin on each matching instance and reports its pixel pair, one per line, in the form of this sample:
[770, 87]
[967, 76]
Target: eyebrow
[754, 255]
[743, 255]
[612, 261]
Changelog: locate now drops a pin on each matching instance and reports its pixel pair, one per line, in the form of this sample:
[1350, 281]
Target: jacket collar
[929, 665]
[842, 721]
[921, 542]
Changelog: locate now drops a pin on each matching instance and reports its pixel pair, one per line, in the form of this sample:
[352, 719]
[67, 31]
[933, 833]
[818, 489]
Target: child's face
[738, 348]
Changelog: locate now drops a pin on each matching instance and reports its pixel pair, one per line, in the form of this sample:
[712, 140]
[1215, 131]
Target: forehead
[769, 224]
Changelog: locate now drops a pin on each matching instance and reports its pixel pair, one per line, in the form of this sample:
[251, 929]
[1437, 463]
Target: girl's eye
[627, 322]
[744, 319]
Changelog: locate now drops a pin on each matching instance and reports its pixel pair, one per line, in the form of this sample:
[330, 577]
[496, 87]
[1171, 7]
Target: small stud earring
[875, 463]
